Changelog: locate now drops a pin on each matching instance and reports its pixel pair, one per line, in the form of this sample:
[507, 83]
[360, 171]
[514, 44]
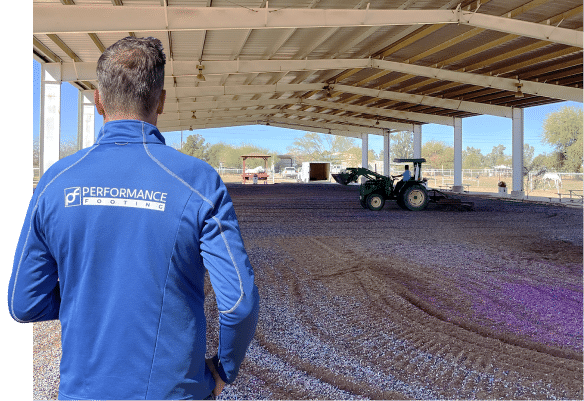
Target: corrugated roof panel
[81, 45]
[222, 45]
[469, 45]
[299, 41]
[261, 41]
[188, 3]
[44, 39]
[187, 45]
[238, 3]
[138, 3]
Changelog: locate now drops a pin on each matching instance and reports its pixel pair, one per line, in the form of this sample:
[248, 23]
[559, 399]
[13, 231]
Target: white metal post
[417, 141]
[86, 120]
[365, 150]
[50, 126]
[457, 187]
[517, 150]
[386, 152]
[364, 153]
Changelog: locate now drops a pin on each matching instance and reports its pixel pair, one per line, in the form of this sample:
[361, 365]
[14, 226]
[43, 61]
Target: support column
[364, 153]
[86, 120]
[365, 150]
[517, 150]
[50, 126]
[417, 141]
[386, 152]
[457, 187]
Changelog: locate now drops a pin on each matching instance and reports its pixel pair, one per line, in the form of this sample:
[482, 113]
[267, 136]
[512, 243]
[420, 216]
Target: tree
[438, 154]
[402, 145]
[195, 146]
[497, 157]
[36, 151]
[472, 158]
[332, 148]
[67, 148]
[562, 129]
[528, 153]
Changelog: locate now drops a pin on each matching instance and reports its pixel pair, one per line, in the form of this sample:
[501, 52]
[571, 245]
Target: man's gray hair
[130, 76]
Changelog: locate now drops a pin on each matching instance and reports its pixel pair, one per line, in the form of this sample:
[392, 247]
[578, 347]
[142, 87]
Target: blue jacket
[115, 245]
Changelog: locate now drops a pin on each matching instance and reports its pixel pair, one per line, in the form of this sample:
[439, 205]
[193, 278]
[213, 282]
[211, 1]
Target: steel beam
[517, 150]
[417, 141]
[457, 187]
[86, 71]
[364, 153]
[86, 119]
[508, 84]
[50, 126]
[54, 18]
[386, 153]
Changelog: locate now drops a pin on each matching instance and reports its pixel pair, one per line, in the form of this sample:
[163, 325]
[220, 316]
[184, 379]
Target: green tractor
[410, 195]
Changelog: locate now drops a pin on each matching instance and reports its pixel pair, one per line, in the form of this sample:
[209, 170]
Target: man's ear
[161, 101]
[98, 104]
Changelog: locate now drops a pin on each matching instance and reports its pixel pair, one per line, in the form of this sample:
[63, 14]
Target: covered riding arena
[355, 304]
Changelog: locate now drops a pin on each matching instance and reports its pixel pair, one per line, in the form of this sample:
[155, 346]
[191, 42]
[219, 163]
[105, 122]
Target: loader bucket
[343, 178]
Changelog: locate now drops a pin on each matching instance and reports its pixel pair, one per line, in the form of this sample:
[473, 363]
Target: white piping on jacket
[30, 228]
[214, 218]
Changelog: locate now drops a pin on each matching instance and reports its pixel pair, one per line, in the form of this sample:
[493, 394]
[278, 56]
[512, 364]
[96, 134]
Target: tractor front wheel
[375, 202]
[415, 197]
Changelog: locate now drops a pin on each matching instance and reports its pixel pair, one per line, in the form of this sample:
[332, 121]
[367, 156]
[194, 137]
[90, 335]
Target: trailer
[315, 171]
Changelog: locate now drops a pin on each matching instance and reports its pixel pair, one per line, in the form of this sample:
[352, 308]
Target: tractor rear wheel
[415, 197]
[375, 202]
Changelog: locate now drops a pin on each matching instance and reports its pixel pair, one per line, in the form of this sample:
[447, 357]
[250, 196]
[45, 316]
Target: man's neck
[153, 119]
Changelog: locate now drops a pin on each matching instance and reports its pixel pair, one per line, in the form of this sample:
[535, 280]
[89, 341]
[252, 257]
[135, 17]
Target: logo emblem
[73, 196]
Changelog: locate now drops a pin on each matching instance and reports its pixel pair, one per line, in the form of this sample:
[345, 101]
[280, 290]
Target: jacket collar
[126, 131]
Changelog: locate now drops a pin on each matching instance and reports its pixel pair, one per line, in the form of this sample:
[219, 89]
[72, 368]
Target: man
[115, 245]
[406, 175]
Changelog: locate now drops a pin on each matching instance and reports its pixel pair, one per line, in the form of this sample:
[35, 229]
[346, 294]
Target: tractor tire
[415, 197]
[400, 202]
[375, 202]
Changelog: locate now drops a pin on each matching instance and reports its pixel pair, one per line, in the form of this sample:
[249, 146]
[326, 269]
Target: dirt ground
[395, 304]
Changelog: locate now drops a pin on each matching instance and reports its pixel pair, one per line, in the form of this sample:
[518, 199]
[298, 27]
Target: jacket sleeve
[33, 290]
[232, 278]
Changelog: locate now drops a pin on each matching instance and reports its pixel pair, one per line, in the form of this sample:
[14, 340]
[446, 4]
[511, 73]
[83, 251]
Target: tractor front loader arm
[351, 174]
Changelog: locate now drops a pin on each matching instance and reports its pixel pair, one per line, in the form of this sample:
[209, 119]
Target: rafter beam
[205, 114]
[374, 111]
[294, 123]
[86, 71]
[458, 105]
[53, 18]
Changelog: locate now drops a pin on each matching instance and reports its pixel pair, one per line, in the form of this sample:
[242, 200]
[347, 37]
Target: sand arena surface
[399, 304]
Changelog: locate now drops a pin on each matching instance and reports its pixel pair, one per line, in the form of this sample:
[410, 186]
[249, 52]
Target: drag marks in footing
[343, 317]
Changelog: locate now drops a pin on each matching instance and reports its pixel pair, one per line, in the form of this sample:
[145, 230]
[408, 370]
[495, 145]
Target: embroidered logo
[106, 196]
[73, 196]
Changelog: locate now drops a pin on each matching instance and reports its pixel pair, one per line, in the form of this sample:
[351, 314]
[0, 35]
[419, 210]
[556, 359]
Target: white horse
[555, 177]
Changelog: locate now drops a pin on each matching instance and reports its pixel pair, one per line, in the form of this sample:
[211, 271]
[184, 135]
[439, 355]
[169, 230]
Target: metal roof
[341, 66]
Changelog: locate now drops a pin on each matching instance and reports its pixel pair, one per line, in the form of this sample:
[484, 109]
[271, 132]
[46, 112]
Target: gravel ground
[395, 304]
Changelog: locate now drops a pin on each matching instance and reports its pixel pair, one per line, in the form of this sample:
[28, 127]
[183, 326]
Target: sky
[482, 132]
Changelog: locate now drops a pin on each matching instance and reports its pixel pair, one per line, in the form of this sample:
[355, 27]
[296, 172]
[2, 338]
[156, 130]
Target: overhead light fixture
[328, 90]
[194, 116]
[200, 76]
[519, 94]
[377, 122]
